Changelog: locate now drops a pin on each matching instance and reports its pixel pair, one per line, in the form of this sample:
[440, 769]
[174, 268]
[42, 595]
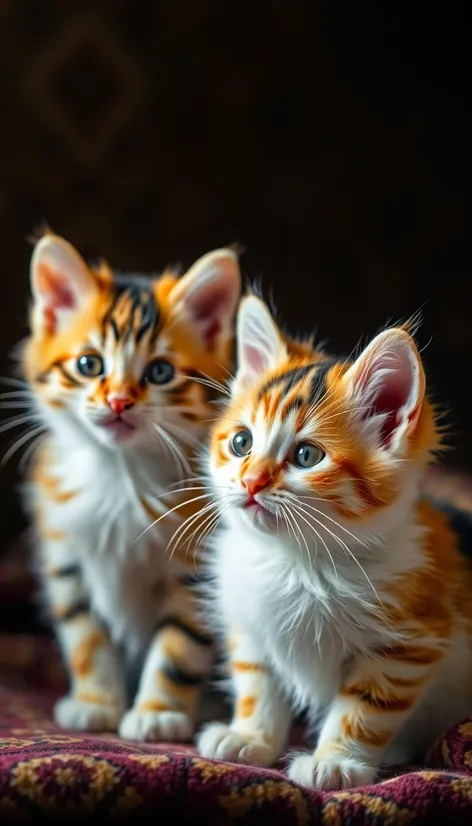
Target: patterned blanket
[47, 773]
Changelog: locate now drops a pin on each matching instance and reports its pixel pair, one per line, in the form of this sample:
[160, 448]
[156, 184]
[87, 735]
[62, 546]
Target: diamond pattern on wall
[84, 88]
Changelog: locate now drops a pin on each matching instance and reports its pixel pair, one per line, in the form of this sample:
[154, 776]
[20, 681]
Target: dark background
[331, 140]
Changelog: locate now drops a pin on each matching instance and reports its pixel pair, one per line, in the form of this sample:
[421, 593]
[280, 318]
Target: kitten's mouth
[118, 428]
[258, 511]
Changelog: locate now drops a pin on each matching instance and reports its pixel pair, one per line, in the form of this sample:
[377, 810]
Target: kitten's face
[120, 359]
[309, 439]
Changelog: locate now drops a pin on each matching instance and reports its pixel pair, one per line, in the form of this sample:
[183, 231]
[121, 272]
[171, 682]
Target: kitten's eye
[241, 443]
[90, 365]
[307, 455]
[159, 372]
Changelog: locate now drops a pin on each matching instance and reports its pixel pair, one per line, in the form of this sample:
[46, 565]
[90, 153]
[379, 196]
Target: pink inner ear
[203, 314]
[55, 289]
[254, 359]
[391, 397]
[207, 311]
[56, 293]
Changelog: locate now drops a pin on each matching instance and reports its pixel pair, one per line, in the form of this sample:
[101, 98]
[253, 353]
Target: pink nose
[255, 482]
[119, 403]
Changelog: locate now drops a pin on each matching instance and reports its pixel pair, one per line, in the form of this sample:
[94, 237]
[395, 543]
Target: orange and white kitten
[113, 363]
[337, 589]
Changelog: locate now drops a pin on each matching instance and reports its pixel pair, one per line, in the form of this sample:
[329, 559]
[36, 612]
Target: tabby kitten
[337, 589]
[116, 365]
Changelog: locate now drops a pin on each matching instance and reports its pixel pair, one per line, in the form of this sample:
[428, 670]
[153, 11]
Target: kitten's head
[311, 440]
[118, 358]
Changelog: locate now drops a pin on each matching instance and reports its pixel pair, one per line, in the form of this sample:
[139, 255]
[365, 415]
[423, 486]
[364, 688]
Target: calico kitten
[116, 366]
[337, 588]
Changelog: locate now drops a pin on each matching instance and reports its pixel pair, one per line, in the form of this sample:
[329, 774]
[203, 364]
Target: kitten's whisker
[230, 375]
[292, 523]
[329, 518]
[20, 442]
[16, 421]
[284, 515]
[15, 405]
[203, 527]
[9, 380]
[347, 549]
[214, 524]
[218, 419]
[220, 388]
[23, 463]
[224, 387]
[317, 533]
[205, 515]
[185, 464]
[17, 394]
[174, 447]
[211, 384]
[158, 432]
[292, 516]
[185, 490]
[168, 446]
[192, 479]
[324, 419]
[168, 513]
[185, 526]
[189, 438]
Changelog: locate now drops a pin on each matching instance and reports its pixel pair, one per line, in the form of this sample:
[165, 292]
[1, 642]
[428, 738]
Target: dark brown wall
[334, 147]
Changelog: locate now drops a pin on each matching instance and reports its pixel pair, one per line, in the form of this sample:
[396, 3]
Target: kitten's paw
[219, 742]
[330, 773]
[72, 713]
[157, 726]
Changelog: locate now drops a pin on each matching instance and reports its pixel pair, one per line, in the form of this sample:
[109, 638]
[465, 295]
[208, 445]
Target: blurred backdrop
[333, 145]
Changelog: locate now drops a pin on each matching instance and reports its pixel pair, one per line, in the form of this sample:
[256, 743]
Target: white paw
[162, 726]
[79, 715]
[219, 742]
[330, 773]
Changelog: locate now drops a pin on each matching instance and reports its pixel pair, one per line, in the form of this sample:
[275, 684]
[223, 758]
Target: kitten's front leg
[178, 663]
[374, 701]
[96, 698]
[261, 717]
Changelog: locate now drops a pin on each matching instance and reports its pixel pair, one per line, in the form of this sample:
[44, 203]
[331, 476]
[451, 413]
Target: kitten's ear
[387, 388]
[207, 297]
[61, 283]
[260, 345]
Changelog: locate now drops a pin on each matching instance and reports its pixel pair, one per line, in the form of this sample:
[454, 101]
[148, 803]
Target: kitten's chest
[305, 630]
[110, 503]
[105, 513]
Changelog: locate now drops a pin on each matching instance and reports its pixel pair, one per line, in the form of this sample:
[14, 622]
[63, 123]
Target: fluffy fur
[337, 589]
[116, 367]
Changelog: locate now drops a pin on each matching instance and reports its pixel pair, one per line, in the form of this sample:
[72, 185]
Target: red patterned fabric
[46, 773]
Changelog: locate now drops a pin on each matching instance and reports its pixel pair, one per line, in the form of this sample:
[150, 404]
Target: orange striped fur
[121, 372]
[338, 586]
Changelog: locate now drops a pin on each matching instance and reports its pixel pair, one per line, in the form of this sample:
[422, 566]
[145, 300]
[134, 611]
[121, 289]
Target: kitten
[337, 589]
[113, 364]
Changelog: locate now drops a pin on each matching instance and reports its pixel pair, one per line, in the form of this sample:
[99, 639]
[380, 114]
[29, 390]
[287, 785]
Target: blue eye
[90, 365]
[159, 372]
[241, 443]
[307, 455]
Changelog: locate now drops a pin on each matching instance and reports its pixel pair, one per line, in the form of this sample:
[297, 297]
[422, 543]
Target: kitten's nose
[255, 482]
[119, 403]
